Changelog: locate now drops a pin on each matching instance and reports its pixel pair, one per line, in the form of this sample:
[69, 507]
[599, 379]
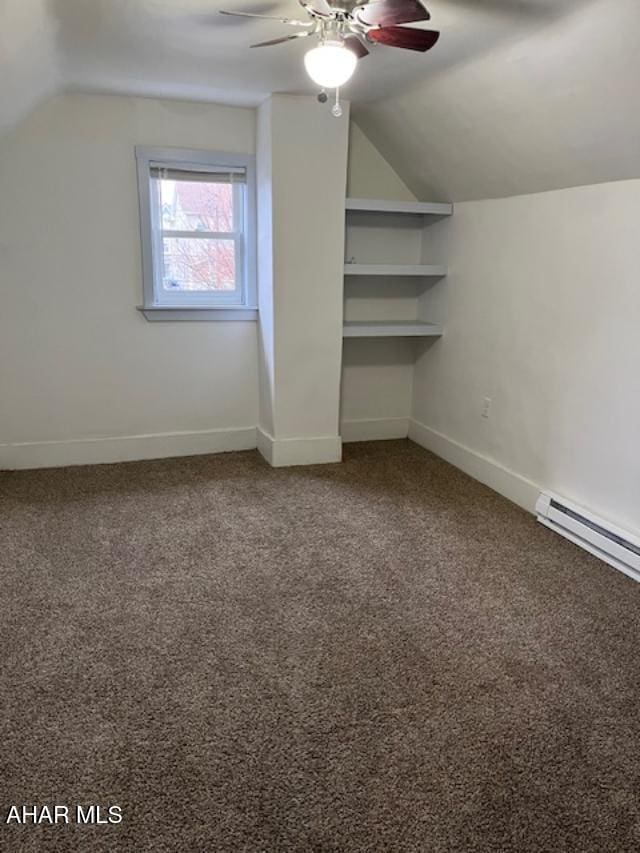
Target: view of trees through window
[203, 262]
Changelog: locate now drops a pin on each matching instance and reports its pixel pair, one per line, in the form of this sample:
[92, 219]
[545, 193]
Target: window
[197, 230]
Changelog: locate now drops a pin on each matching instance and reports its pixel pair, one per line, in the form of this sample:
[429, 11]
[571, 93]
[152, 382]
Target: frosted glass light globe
[330, 65]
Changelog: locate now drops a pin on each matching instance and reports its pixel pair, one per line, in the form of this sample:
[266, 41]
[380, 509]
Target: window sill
[165, 313]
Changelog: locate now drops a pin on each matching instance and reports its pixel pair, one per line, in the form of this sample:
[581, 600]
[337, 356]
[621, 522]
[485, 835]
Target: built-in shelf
[423, 208]
[419, 270]
[399, 329]
[389, 238]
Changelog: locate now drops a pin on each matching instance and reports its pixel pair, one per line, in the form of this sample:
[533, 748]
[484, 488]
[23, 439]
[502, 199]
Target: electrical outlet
[486, 407]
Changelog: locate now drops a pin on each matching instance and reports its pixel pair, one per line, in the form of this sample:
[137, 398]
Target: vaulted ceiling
[28, 57]
[518, 95]
[557, 104]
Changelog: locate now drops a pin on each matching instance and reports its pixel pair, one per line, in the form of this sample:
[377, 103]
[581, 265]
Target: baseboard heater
[611, 544]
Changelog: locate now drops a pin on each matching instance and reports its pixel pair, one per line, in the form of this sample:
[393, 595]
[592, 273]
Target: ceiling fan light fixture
[330, 64]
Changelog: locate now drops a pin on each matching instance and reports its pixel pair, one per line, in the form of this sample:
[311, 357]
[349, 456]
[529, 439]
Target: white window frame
[158, 304]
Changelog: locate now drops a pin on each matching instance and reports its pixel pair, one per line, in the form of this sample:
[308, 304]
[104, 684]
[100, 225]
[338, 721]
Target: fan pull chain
[336, 109]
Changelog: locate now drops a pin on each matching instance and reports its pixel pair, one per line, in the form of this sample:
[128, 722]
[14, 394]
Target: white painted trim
[282, 452]
[95, 451]
[508, 483]
[394, 270]
[165, 314]
[386, 329]
[264, 442]
[186, 159]
[376, 205]
[374, 429]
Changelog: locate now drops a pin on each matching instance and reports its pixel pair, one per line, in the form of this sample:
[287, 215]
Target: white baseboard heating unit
[611, 544]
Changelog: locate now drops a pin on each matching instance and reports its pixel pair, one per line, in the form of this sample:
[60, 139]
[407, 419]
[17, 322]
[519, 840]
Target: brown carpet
[381, 655]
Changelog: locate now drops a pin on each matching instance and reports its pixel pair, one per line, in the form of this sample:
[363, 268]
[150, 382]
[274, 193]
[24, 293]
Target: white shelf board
[386, 329]
[424, 208]
[423, 270]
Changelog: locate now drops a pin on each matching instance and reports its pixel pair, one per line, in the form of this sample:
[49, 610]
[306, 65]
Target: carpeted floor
[376, 656]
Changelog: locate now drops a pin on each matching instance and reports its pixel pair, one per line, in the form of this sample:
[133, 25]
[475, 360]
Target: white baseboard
[282, 452]
[513, 486]
[94, 451]
[374, 429]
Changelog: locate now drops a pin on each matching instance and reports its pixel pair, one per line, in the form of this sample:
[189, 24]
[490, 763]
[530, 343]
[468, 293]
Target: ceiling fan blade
[319, 7]
[354, 44]
[408, 38]
[291, 21]
[279, 40]
[387, 13]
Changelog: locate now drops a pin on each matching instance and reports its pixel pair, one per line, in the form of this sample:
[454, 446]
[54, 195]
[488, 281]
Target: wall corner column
[302, 172]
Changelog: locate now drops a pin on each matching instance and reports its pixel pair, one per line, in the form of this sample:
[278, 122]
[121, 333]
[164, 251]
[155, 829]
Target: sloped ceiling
[557, 106]
[518, 96]
[28, 58]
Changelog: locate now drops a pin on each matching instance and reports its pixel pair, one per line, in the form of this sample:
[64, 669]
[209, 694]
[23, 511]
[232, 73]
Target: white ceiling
[556, 106]
[518, 95]
[185, 48]
[28, 58]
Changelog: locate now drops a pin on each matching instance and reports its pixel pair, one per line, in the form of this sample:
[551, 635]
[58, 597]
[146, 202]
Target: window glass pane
[198, 264]
[196, 205]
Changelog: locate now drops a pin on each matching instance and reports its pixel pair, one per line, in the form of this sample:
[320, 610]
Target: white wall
[516, 97]
[266, 296]
[369, 175]
[83, 377]
[29, 67]
[306, 148]
[544, 319]
[377, 374]
[77, 361]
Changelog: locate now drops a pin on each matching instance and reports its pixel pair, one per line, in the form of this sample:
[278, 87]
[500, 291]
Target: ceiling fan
[344, 32]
